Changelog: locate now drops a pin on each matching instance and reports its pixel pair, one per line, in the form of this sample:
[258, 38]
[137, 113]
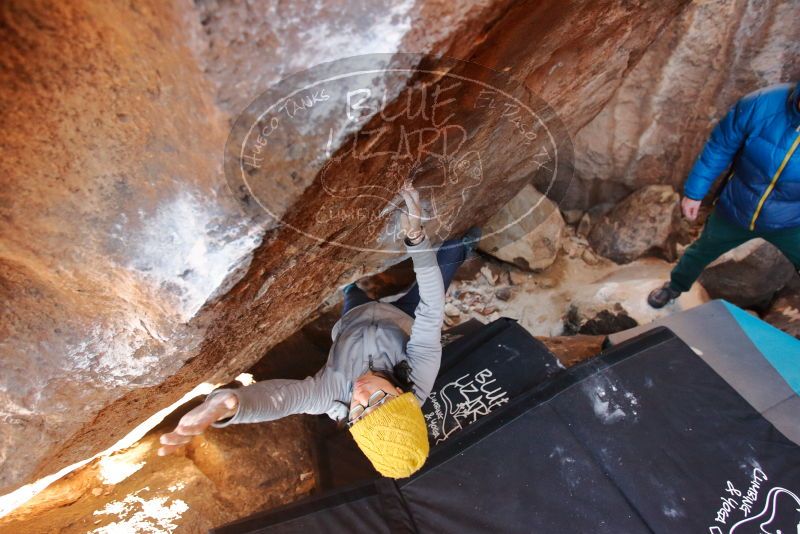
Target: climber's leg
[353, 296]
[788, 242]
[450, 256]
[718, 237]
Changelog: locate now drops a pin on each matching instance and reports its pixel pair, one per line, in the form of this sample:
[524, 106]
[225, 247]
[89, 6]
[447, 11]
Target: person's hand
[196, 422]
[690, 208]
[411, 217]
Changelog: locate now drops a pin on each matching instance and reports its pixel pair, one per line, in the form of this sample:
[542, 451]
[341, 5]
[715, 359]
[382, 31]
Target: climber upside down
[380, 369]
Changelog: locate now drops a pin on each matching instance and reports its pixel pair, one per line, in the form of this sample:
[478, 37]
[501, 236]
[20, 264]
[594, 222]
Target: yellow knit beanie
[394, 437]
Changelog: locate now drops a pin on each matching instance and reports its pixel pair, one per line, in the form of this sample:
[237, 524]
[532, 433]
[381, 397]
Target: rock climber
[380, 369]
[758, 140]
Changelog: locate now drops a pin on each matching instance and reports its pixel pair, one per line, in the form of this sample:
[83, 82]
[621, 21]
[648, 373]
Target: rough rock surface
[233, 36]
[225, 475]
[534, 242]
[591, 217]
[784, 312]
[655, 126]
[116, 226]
[644, 223]
[749, 275]
[128, 273]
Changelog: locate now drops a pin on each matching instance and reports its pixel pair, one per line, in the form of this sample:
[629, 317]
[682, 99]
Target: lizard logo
[781, 515]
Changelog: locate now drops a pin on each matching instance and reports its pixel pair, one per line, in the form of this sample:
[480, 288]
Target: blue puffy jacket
[760, 136]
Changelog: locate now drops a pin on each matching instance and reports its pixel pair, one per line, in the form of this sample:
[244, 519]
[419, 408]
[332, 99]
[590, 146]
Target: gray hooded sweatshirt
[374, 335]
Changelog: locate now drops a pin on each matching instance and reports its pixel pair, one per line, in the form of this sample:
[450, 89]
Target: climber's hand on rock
[690, 208]
[411, 217]
[196, 422]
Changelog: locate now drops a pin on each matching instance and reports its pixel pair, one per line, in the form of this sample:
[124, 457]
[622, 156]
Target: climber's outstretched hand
[196, 422]
[411, 217]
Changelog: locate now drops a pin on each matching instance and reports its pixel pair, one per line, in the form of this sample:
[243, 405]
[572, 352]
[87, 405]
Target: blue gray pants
[450, 256]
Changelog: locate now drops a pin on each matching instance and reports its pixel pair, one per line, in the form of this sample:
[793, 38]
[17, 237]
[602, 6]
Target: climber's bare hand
[198, 420]
[411, 217]
[690, 208]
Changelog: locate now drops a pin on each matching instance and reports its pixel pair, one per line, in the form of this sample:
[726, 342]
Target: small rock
[470, 298]
[518, 278]
[97, 491]
[450, 310]
[470, 269]
[607, 322]
[597, 211]
[503, 293]
[488, 275]
[580, 240]
[603, 323]
[589, 257]
[572, 216]
[585, 225]
[572, 248]
[488, 310]
[546, 282]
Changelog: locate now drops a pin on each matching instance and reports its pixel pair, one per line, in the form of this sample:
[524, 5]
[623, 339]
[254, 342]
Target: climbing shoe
[471, 239]
[660, 297]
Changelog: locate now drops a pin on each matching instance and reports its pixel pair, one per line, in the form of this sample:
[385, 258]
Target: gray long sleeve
[328, 391]
[273, 399]
[424, 348]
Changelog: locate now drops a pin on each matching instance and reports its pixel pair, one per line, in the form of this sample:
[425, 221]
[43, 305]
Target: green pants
[718, 237]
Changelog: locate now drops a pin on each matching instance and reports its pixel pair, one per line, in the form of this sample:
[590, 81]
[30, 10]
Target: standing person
[758, 139]
[380, 369]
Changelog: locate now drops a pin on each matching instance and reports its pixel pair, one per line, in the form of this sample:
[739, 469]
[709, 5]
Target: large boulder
[749, 275]
[526, 232]
[654, 127]
[129, 272]
[644, 223]
[224, 475]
